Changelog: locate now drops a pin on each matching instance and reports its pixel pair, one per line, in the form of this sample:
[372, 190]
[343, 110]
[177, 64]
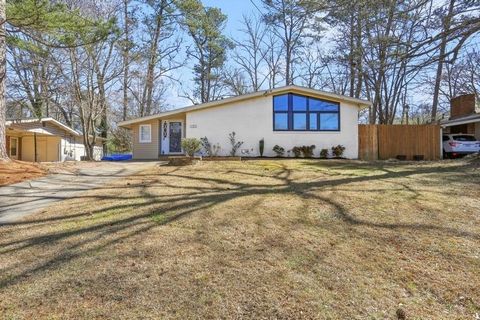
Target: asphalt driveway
[25, 198]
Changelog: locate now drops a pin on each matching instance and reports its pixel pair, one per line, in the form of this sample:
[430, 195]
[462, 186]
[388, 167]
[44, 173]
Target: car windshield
[464, 138]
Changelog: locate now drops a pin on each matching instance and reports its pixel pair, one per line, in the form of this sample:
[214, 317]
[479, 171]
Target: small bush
[261, 147]
[215, 150]
[296, 152]
[235, 144]
[337, 151]
[307, 151]
[278, 150]
[324, 153]
[191, 145]
[210, 150]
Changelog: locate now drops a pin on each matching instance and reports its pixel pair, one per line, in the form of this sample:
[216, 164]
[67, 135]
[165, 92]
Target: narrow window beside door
[13, 147]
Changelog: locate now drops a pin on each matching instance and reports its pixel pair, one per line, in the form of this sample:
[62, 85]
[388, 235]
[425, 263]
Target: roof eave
[361, 104]
[57, 123]
[459, 122]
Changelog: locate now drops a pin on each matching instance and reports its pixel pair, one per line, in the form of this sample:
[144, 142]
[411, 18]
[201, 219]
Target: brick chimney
[463, 105]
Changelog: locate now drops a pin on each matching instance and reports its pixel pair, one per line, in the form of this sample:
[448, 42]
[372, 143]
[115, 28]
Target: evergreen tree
[205, 25]
[40, 17]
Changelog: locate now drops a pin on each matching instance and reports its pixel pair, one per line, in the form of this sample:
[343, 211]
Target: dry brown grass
[17, 171]
[259, 239]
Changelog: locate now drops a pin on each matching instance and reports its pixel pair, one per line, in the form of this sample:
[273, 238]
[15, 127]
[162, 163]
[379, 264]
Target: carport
[30, 145]
[469, 124]
[46, 140]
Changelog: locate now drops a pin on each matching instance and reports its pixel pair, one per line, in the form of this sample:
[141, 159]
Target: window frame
[288, 120]
[290, 114]
[140, 140]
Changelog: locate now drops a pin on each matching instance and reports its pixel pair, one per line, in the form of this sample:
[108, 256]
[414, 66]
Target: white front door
[171, 137]
[13, 148]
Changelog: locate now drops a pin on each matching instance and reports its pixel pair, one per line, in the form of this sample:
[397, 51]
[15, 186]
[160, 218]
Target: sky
[234, 9]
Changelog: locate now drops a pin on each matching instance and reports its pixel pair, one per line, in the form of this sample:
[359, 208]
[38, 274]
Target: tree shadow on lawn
[65, 187]
[156, 210]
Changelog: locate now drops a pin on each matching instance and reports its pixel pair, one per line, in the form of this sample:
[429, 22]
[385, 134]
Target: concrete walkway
[24, 198]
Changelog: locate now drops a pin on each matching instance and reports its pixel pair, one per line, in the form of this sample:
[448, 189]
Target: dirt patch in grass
[17, 171]
[301, 239]
[70, 167]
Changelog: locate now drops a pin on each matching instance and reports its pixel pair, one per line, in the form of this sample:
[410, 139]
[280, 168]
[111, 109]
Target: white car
[455, 145]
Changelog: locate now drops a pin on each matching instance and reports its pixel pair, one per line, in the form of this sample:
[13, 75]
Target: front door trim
[165, 136]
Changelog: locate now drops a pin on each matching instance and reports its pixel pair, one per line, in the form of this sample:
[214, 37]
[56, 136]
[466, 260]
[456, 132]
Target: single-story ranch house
[46, 140]
[288, 116]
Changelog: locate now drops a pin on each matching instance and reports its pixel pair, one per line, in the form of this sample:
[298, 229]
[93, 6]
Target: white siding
[252, 120]
[73, 149]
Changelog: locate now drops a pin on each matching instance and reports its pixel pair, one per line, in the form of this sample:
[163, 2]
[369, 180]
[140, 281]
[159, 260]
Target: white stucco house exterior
[287, 116]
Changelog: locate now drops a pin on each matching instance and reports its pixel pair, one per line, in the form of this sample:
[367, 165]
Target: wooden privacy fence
[381, 142]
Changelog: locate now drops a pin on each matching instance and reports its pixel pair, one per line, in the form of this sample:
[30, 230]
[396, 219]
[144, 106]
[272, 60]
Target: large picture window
[292, 112]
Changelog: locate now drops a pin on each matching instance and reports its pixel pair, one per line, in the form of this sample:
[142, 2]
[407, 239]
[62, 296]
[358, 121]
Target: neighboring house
[464, 116]
[288, 116]
[45, 140]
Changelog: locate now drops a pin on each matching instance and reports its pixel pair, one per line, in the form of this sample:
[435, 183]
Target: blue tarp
[117, 157]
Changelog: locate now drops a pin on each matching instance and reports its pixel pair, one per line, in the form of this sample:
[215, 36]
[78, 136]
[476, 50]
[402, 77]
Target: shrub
[296, 152]
[261, 147]
[324, 153]
[191, 145]
[235, 144]
[207, 146]
[210, 150]
[278, 150]
[216, 149]
[307, 151]
[337, 151]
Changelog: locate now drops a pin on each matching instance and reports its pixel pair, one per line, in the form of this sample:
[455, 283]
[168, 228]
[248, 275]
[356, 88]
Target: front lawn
[297, 239]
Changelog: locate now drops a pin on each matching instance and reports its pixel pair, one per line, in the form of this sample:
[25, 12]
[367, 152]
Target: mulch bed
[17, 171]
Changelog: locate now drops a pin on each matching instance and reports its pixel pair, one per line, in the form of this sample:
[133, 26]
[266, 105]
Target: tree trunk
[351, 56]
[146, 106]
[126, 53]
[104, 119]
[288, 58]
[441, 58]
[3, 105]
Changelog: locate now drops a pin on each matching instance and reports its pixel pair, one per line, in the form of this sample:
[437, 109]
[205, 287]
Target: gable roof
[51, 120]
[292, 88]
